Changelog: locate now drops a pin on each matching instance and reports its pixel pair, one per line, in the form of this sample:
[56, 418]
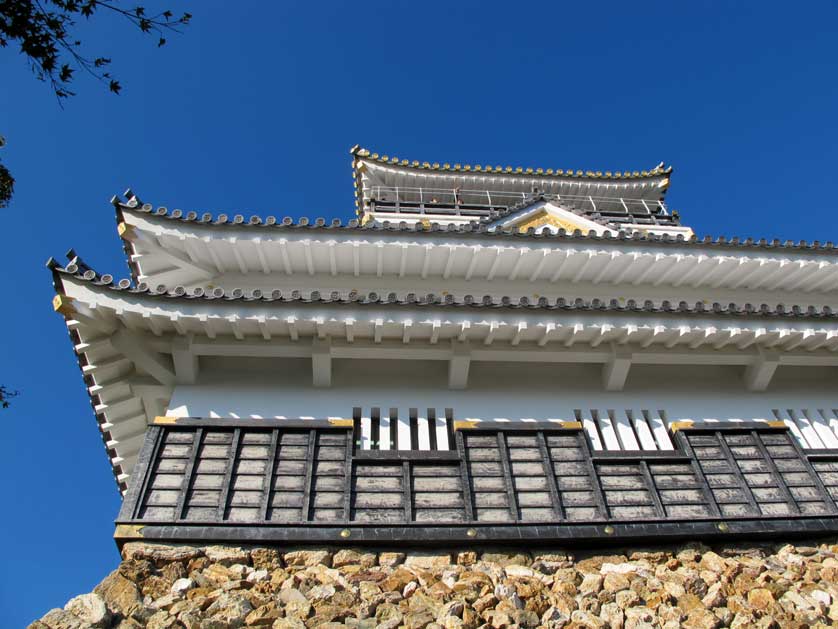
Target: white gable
[547, 216]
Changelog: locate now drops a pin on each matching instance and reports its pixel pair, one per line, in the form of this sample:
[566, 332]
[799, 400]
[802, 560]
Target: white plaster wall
[282, 388]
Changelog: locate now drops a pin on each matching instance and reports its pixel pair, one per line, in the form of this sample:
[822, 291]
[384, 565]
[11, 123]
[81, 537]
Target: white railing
[455, 200]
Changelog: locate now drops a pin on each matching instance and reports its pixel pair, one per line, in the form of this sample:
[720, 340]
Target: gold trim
[543, 218]
[571, 425]
[63, 305]
[776, 424]
[124, 230]
[162, 420]
[348, 423]
[134, 531]
[676, 426]
[464, 424]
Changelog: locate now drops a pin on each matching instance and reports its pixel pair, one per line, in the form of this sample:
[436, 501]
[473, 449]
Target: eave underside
[171, 252]
[135, 347]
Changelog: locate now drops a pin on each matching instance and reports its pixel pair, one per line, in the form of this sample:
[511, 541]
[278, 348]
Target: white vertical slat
[441, 434]
[424, 437]
[609, 435]
[403, 427]
[644, 434]
[831, 417]
[827, 437]
[657, 421]
[792, 426]
[384, 433]
[590, 429]
[624, 432]
[366, 433]
[806, 429]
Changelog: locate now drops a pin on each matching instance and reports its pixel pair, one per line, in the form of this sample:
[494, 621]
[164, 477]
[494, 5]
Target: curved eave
[474, 229]
[364, 154]
[118, 409]
[123, 335]
[200, 302]
[180, 251]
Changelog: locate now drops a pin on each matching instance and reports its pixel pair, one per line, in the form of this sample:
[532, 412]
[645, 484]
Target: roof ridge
[106, 281]
[476, 228]
[658, 171]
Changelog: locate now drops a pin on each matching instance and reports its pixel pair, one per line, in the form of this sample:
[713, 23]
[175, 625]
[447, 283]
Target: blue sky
[253, 110]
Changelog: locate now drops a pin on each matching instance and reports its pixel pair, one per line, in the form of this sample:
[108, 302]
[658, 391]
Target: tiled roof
[78, 270]
[473, 229]
[657, 171]
[664, 219]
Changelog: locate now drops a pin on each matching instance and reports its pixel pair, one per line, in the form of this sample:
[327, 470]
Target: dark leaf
[44, 30]
[7, 185]
[5, 395]
[66, 73]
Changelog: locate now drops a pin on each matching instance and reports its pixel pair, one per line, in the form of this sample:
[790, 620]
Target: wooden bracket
[63, 305]
[125, 231]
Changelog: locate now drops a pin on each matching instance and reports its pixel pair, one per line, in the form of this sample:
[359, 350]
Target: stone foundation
[693, 586]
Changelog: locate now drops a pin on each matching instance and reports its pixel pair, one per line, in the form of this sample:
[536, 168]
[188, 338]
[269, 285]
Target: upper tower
[395, 190]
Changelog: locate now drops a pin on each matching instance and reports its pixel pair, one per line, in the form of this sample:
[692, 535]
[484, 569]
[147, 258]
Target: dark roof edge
[661, 170]
[76, 269]
[473, 229]
[81, 359]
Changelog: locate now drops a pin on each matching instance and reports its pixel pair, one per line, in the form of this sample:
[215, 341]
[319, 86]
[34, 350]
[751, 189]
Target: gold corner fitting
[347, 423]
[162, 420]
[130, 531]
[571, 425]
[464, 424]
[676, 426]
[63, 305]
[125, 230]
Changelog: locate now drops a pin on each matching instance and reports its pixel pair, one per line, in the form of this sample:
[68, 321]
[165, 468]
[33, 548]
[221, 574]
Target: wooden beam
[759, 373]
[157, 365]
[185, 359]
[458, 365]
[74, 310]
[181, 262]
[526, 351]
[616, 369]
[321, 362]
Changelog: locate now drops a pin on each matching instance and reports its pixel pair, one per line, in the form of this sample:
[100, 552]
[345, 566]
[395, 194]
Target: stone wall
[692, 586]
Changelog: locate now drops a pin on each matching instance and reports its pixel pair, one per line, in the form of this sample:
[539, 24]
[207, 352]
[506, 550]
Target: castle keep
[485, 354]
